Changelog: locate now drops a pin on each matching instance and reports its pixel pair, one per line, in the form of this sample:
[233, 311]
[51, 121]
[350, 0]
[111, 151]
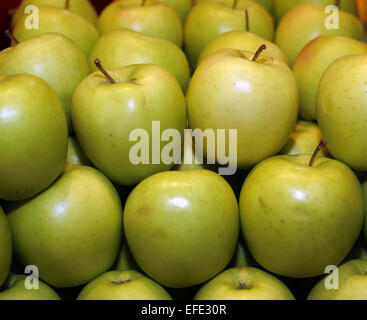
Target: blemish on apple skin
[263, 205]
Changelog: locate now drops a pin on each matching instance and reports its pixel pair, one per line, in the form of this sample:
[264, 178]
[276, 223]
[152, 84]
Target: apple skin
[172, 218]
[229, 90]
[83, 8]
[257, 285]
[208, 19]
[341, 110]
[33, 135]
[242, 256]
[52, 57]
[297, 219]
[78, 223]
[104, 115]
[281, 7]
[304, 140]
[155, 19]
[6, 247]
[57, 20]
[182, 7]
[267, 4]
[312, 62]
[75, 153]
[123, 285]
[242, 40]
[352, 283]
[306, 22]
[125, 260]
[16, 290]
[120, 48]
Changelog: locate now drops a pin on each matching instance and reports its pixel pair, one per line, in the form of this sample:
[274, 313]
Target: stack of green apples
[77, 89]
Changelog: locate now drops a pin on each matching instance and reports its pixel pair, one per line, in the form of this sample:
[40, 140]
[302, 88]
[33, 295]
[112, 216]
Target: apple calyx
[243, 286]
[321, 145]
[234, 6]
[120, 281]
[98, 64]
[67, 3]
[11, 37]
[258, 52]
[247, 21]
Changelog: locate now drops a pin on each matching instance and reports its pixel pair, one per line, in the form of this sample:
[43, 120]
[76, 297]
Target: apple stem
[234, 4]
[337, 3]
[67, 3]
[97, 62]
[321, 145]
[258, 52]
[247, 21]
[143, 3]
[11, 37]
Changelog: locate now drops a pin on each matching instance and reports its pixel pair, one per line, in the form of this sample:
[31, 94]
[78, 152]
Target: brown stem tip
[98, 64]
[67, 4]
[321, 145]
[143, 3]
[11, 37]
[247, 21]
[234, 6]
[258, 52]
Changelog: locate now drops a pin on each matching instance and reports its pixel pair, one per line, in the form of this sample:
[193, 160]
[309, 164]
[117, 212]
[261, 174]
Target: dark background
[6, 5]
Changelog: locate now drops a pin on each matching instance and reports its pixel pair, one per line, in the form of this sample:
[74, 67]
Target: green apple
[125, 260]
[52, 57]
[75, 153]
[182, 7]
[59, 20]
[304, 139]
[123, 285]
[242, 256]
[242, 40]
[267, 4]
[244, 283]
[352, 283]
[312, 62]
[33, 136]
[151, 17]
[300, 215]
[82, 7]
[306, 22]
[71, 231]
[208, 19]
[6, 247]
[172, 218]
[231, 90]
[123, 47]
[341, 110]
[281, 7]
[105, 114]
[15, 289]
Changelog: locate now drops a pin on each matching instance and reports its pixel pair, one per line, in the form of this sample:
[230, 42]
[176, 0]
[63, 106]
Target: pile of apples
[78, 212]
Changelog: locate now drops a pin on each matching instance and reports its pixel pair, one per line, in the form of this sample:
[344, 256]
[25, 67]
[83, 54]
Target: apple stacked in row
[181, 228]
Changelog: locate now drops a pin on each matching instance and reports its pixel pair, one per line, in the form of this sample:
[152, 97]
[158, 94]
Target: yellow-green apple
[208, 19]
[352, 283]
[75, 153]
[182, 7]
[123, 285]
[151, 17]
[123, 47]
[267, 4]
[341, 110]
[125, 260]
[72, 230]
[244, 283]
[33, 136]
[242, 40]
[6, 247]
[15, 289]
[173, 217]
[52, 57]
[82, 7]
[300, 214]
[308, 21]
[281, 7]
[105, 115]
[59, 20]
[244, 91]
[312, 62]
[304, 139]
